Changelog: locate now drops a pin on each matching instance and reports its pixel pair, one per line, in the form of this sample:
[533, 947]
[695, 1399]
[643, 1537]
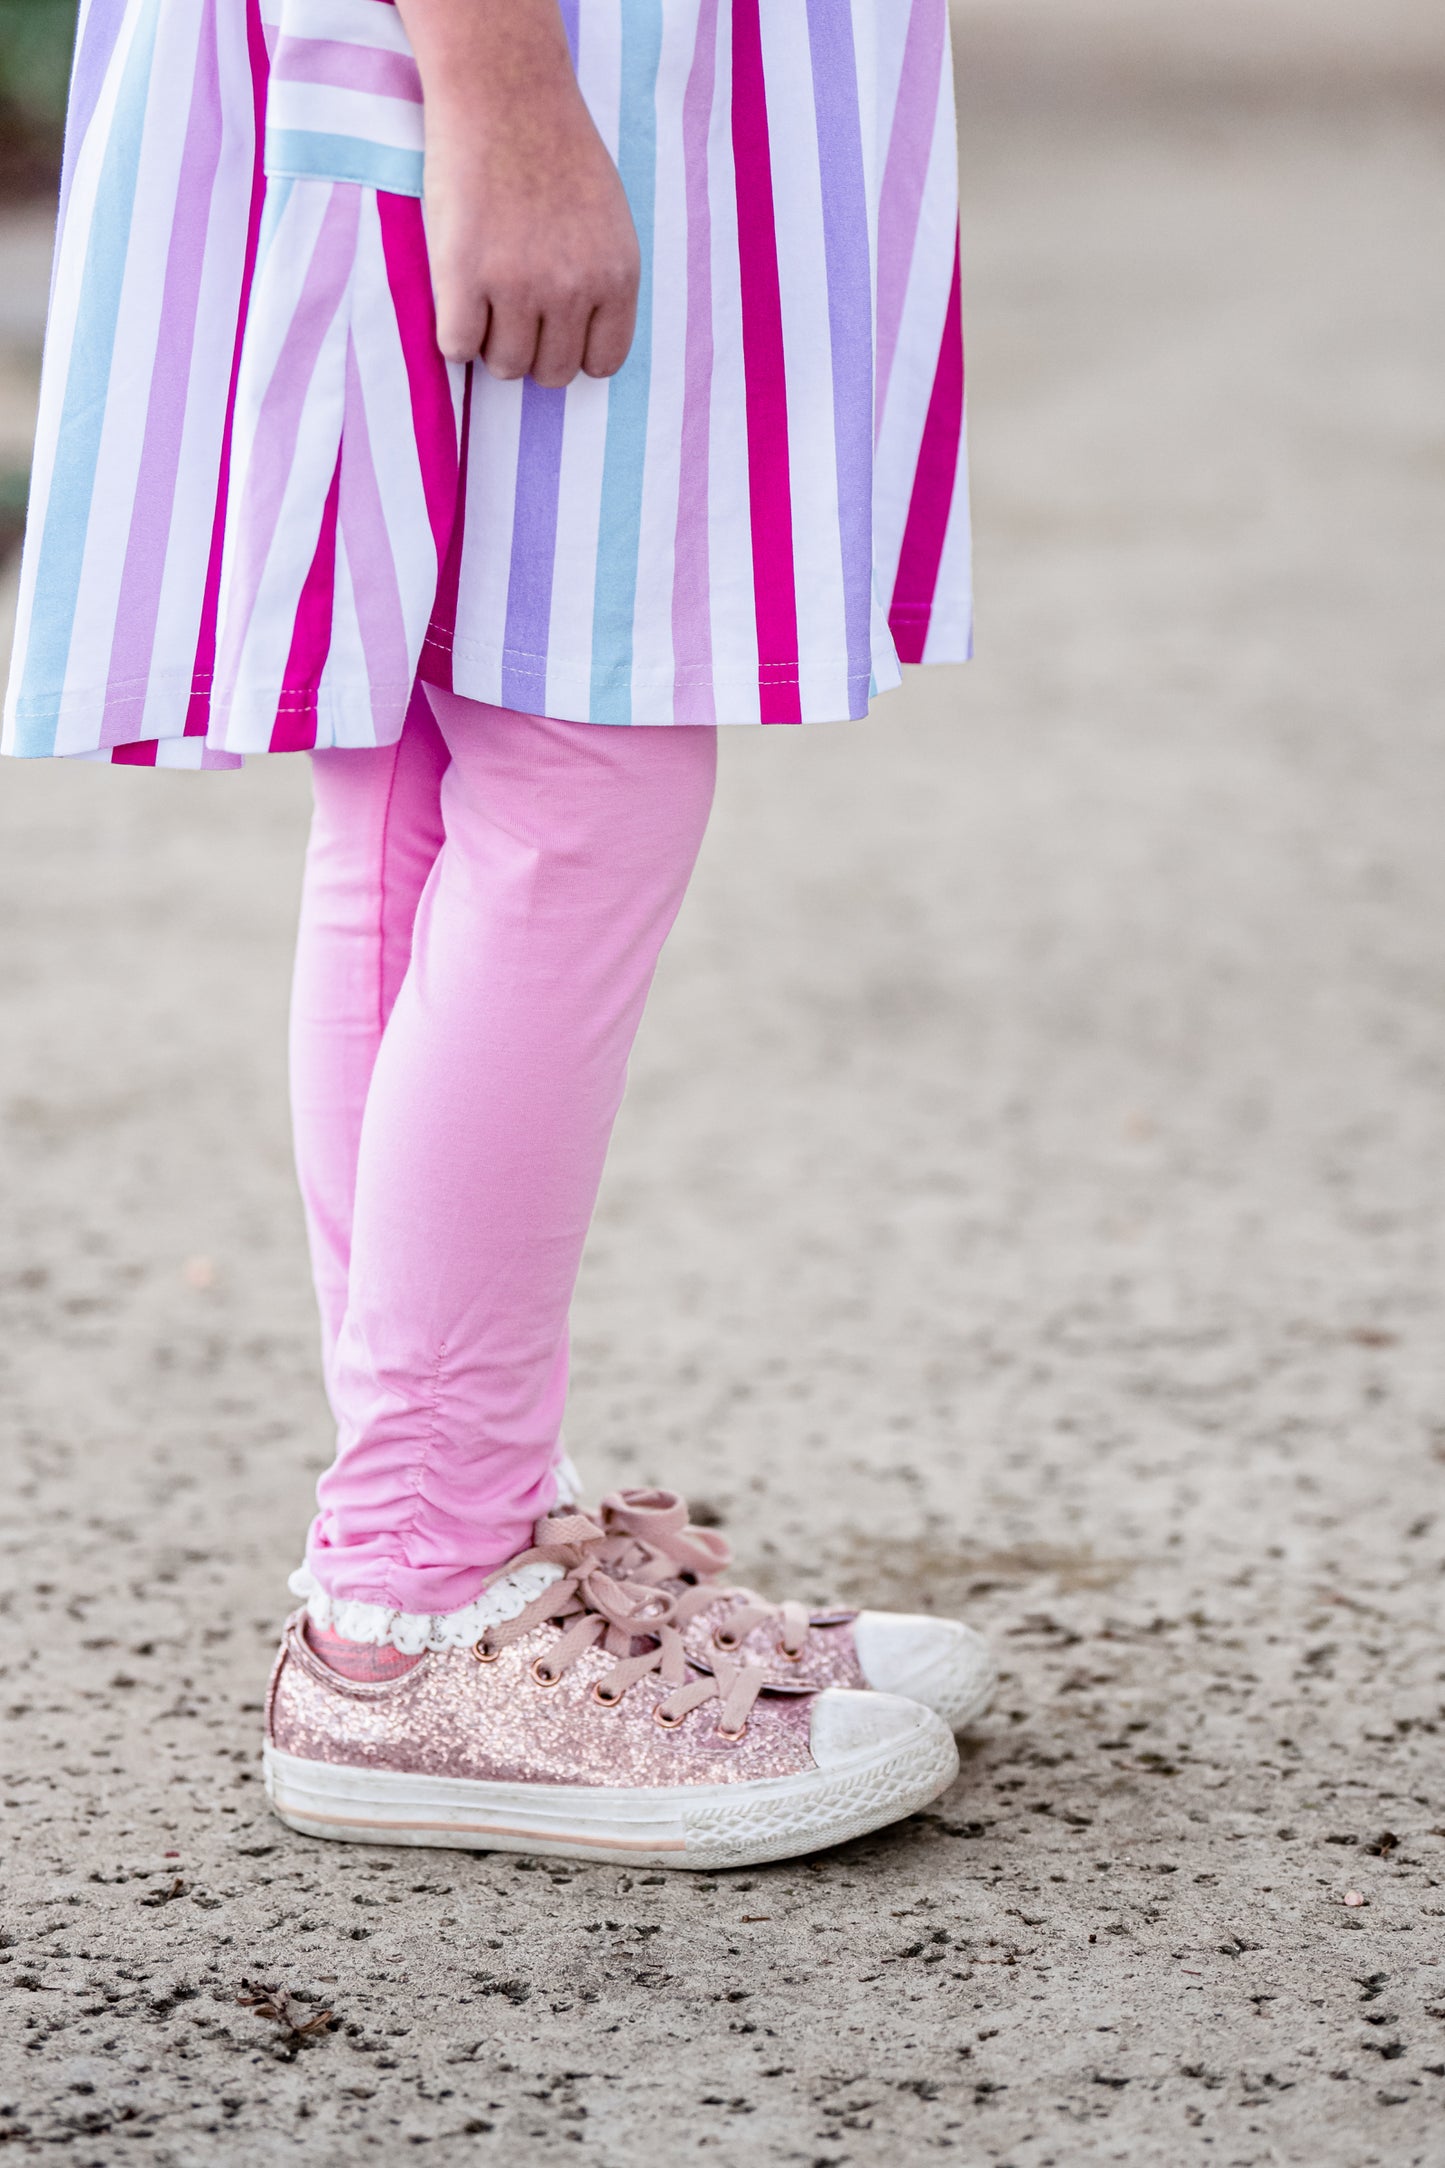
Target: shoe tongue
[651, 1514]
[365, 1663]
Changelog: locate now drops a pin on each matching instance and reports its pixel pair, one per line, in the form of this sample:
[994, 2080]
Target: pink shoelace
[598, 1606]
[653, 1544]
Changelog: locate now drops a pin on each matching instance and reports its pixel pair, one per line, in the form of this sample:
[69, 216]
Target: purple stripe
[272, 451]
[348, 67]
[93, 54]
[534, 519]
[850, 313]
[534, 548]
[904, 175]
[148, 543]
[695, 701]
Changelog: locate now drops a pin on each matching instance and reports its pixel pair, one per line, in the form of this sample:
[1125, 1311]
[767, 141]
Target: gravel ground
[1028, 1203]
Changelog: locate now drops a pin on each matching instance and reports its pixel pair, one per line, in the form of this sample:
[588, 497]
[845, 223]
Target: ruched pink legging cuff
[484, 907]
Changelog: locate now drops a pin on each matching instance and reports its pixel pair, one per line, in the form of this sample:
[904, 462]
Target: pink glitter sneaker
[939, 1662]
[579, 1727]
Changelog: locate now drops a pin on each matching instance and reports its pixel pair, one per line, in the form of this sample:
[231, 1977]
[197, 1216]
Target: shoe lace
[599, 1606]
[653, 1543]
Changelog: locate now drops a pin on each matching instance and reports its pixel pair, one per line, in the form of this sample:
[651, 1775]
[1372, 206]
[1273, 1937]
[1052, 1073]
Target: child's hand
[534, 258]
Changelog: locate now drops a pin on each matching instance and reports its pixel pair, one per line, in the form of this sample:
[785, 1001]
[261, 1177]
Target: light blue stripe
[66, 525]
[303, 155]
[619, 535]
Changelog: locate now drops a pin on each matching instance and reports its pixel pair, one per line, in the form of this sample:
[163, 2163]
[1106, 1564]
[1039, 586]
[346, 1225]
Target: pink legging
[484, 907]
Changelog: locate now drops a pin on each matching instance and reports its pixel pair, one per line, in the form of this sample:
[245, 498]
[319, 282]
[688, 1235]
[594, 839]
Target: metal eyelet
[725, 1641]
[668, 1723]
[790, 1656]
[483, 1654]
[608, 1701]
[732, 1737]
[543, 1674]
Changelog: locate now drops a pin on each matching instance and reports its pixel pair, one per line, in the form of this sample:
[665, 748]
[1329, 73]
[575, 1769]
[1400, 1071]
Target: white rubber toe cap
[937, 1661]
[851, 1730]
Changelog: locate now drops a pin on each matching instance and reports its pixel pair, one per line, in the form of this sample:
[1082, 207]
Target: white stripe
[654, 668]
[487, 550]
[734, 611]
[326, 109]
[574, 569]
[808, 363]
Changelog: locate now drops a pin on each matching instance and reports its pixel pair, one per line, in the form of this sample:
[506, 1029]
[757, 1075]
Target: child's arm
[534, 257]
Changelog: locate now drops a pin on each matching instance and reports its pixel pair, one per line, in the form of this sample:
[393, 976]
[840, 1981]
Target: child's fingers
[461, 327]
[609, 336]
[561, 347]
[513, 335]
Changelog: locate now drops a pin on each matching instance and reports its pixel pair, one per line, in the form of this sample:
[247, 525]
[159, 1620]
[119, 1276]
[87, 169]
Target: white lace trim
[413, 1631]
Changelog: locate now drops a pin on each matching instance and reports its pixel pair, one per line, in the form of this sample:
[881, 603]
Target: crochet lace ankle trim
[412, 1632]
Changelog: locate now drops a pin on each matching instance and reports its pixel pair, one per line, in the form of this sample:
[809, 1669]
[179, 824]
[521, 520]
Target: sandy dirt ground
[1029, 1202]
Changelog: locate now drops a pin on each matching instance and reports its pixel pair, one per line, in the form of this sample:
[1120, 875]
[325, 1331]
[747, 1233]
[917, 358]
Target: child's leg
[375, 833]
[568, 850]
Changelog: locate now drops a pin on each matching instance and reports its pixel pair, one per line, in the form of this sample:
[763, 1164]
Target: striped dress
[264, 506]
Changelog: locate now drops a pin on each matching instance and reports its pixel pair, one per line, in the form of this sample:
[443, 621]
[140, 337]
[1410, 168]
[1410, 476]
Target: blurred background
[1029, 1200]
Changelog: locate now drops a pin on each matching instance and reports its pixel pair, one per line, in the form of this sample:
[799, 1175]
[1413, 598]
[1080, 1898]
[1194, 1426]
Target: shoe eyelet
[668, 1723]
[725, 1641]
[483, 1654]
[544, 1675]
[732, 1737]
[790, 1656]
[608, 1701]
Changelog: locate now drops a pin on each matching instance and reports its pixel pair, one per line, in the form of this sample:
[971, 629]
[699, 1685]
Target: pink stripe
[933, 489]
[198, 715]
[694, 700]
[915, 122]
[436, 661]
[765, 379]
[348, 67]
[283, 407]
[434, 414]
[295, 726]
[370, 554]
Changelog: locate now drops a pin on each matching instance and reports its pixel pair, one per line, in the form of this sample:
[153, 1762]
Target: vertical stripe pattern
[264, 506]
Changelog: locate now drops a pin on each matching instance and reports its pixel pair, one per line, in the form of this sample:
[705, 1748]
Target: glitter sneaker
[579, 1727]
[939, 1662]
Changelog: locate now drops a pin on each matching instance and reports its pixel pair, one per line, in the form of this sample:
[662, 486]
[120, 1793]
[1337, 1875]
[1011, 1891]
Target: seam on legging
[433, 1442]
[381, 887]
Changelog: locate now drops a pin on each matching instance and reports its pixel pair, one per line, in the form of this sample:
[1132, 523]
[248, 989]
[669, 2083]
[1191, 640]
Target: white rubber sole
[685, 1825]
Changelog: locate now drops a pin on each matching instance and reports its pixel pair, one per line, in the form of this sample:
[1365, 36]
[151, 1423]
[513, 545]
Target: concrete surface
[1029, 1201]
